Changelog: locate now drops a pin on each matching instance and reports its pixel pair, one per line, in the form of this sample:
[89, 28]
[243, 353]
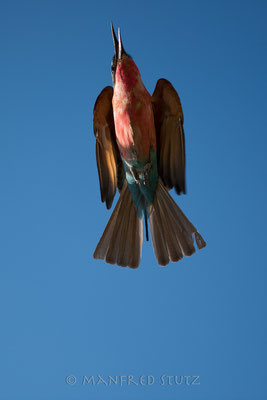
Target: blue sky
[62, 312]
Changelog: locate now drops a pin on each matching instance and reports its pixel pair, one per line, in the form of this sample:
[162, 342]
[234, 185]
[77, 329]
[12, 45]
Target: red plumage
[133, 114]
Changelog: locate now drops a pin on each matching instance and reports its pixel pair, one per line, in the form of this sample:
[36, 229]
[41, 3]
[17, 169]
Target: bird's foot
[147, 169]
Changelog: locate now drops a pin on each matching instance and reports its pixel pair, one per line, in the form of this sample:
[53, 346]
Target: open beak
[118, 46]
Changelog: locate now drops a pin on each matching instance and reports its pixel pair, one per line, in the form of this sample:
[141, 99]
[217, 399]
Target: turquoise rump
[143, 181]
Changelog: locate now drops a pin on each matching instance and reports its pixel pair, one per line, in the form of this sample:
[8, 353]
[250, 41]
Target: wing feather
[168, 115]
[109, 164]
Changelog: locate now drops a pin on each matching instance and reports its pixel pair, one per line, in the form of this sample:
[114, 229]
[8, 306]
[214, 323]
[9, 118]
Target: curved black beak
[115, 41]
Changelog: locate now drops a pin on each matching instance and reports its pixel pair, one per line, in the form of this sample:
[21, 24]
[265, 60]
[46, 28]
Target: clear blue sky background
[63, 313]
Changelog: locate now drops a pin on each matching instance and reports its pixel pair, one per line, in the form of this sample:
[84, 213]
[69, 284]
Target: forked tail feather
[121, 242]
[171, 231]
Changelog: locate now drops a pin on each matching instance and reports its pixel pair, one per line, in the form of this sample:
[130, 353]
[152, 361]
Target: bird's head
[123, 67]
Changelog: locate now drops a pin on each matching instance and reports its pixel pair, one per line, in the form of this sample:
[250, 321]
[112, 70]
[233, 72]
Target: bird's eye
[113, 68]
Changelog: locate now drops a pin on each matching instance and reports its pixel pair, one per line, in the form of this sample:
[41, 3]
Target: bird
[140, 150]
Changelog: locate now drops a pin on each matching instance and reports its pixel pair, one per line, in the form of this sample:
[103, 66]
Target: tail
[121, 242]
[171, 231]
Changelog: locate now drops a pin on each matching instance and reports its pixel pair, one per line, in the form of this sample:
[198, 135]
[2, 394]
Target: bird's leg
[147, 169]
[141, 177]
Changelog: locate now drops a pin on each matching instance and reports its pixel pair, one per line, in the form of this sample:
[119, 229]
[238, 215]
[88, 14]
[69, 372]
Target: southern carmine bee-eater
[140, 148]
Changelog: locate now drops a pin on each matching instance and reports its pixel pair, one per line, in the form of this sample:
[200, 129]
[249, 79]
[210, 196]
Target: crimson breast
[133, 115]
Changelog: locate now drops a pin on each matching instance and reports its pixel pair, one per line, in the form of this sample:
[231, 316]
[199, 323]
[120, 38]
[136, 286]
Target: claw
[147, 169]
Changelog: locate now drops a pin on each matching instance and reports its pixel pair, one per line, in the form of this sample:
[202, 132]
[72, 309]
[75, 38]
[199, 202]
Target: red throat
[127, 73]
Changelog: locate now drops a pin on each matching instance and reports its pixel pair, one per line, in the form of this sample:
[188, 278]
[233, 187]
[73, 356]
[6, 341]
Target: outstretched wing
[109, 163]
[168, 115]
